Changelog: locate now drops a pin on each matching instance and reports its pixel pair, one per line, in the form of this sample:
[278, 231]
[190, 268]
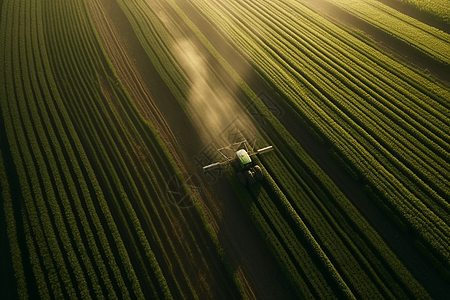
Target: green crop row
[427, 39]
[438, 8]
[298, 282]
[12, 125]
[73, 195]
[11, 229]
[321, 212]
[338, 245]
[292, 224]
[356, 136]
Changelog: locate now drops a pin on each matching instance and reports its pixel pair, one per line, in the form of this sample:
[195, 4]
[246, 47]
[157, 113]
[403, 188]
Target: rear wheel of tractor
[259, 173]
[250, 177]
[241, 178]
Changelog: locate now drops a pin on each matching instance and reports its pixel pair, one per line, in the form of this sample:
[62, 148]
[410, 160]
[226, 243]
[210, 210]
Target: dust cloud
[212, 105]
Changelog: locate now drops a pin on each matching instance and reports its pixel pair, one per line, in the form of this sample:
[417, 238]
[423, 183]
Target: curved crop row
[427, 39]
[12, 230]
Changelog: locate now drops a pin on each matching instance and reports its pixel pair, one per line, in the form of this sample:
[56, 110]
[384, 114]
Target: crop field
[108, 108]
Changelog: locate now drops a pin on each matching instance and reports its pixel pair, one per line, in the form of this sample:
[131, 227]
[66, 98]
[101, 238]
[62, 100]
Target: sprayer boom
[247, 171]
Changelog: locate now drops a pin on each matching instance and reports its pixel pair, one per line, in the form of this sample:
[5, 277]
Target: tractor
[246, 170]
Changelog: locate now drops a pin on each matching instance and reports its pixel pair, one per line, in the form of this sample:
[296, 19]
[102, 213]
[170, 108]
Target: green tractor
[246, 170]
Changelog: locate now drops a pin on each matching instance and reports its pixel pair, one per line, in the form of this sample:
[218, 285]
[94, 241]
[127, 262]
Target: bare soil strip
[402, 244]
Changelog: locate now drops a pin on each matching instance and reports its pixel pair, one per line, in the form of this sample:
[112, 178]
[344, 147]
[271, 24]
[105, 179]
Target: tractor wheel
[259, 173]
[241, 178]
[250, 177]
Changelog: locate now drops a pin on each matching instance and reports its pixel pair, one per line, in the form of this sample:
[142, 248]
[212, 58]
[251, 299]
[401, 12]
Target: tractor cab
[247, 172]
[244, 159]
